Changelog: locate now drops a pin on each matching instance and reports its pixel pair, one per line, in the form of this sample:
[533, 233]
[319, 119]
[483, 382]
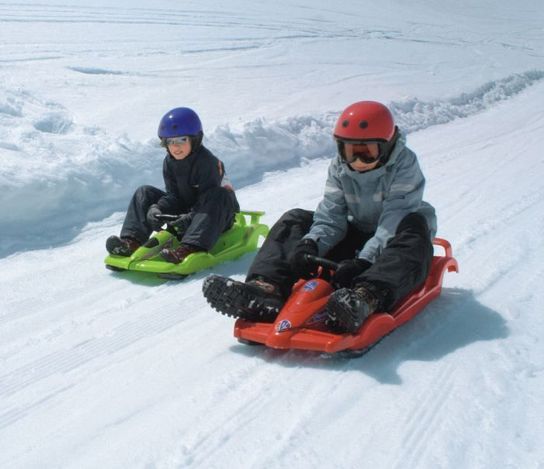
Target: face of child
[367, 151]
[179, 147]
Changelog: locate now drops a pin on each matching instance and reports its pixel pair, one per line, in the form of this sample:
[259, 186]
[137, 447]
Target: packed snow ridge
[57, 175]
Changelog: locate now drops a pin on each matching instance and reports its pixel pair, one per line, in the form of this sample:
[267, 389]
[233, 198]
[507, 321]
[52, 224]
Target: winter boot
[256, 300]
[122, 246]
[348, 308]
[180, 253]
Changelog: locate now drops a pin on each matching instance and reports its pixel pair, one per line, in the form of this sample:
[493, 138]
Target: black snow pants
[213, 214]
[402, 266]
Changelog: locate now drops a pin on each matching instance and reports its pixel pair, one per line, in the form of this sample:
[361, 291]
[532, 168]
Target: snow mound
[413, 114]
[56, 175]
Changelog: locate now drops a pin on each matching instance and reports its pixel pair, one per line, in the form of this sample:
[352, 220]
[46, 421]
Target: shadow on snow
[453, 321]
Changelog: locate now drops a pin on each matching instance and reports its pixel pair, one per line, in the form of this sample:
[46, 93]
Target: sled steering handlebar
[321, 261]
[165, 217]
[168, 219]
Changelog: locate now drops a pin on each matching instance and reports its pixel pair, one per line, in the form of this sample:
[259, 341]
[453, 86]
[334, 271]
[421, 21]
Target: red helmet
[365, 120]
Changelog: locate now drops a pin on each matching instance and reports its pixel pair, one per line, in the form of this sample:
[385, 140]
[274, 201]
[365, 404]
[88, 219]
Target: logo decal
[309, 286]
[283, 326]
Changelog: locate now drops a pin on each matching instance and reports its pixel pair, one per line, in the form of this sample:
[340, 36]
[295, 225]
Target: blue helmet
[179, 122]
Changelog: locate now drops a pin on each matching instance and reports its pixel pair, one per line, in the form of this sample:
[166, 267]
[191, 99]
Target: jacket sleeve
[209, 174]
[330, 218]
[403, 197]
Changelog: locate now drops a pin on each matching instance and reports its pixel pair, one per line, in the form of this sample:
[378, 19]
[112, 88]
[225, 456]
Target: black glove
[152, 217]
[348, 270]
[297, 258]
[182, 223]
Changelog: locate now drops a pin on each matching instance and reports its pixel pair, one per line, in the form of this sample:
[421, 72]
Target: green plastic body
[242, 238]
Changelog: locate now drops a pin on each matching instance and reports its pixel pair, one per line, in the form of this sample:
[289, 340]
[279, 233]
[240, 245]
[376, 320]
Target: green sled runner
[241, 238]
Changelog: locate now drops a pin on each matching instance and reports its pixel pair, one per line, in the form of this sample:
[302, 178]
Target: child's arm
[405, 196]
[209, 174]
[330, 218]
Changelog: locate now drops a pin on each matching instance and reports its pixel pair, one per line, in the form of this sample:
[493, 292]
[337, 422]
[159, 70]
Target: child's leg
[271, 260]
[213, 214]
[135, 224]
[404, 263]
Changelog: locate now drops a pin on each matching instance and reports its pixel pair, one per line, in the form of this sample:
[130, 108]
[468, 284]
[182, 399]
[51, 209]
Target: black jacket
[186, 180]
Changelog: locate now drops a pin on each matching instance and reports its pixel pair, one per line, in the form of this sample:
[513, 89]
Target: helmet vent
[345, 123]
[363, 124]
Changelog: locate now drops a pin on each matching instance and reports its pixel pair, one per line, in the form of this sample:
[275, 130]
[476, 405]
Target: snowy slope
[109, 370]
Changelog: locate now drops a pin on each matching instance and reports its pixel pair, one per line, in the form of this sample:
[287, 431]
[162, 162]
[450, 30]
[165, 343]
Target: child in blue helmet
[196, 190]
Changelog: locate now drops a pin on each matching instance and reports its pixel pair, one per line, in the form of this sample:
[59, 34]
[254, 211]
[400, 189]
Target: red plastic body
[290, 330]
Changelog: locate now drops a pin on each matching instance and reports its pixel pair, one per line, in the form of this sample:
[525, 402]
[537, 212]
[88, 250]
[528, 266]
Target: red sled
[298, 323]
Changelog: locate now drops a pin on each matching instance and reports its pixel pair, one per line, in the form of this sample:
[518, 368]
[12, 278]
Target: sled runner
[299, 324]
[241, 238]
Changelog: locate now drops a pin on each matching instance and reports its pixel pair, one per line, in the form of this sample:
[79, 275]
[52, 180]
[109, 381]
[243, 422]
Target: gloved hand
[348, 270]
[152, 217]
[182, 223]
[299, 265]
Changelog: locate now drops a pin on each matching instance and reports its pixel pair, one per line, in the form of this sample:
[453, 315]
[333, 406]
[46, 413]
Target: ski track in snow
[65, 361]
[288, 29]
[209, 22]
[423, 421]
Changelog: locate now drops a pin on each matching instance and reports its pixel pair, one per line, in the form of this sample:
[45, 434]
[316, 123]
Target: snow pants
[402, 266]
[213, 214]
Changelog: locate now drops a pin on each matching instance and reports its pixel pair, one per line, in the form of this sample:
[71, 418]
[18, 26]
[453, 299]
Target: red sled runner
[297, 324]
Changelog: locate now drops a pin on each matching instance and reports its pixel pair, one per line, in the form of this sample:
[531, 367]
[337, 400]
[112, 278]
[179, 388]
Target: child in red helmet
[196, 190]
[372, 220]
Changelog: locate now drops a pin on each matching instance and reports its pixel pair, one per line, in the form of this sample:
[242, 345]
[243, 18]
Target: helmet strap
[387, 148]
[196, 141]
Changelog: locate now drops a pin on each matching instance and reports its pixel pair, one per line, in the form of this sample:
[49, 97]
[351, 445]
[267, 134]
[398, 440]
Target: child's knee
[414, 222]
[297, 215]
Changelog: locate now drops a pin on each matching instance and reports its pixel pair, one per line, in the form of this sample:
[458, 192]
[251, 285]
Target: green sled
[241, 238]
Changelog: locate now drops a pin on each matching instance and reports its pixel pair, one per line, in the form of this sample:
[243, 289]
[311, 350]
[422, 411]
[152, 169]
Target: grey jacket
[375, 201]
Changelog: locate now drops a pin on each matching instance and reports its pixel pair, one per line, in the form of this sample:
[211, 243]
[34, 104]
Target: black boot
[179, 254]
[121, 246]
[348, 308]
[256, 300]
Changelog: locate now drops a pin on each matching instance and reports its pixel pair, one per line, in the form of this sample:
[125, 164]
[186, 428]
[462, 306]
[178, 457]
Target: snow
[109, 370]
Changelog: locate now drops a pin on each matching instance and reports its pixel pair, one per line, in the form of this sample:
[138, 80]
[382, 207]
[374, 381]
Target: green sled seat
[241, 238]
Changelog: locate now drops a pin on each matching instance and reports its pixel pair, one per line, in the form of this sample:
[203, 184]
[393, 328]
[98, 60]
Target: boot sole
[235, 299]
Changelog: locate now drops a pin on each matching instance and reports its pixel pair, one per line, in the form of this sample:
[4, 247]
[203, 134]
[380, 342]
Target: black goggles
[361, 150]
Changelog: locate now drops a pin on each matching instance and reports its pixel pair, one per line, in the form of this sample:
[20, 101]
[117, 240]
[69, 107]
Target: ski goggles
[175, 141]
[361, 150]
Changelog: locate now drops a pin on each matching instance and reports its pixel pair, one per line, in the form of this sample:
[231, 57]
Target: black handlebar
[321, 261]
[167, 217]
